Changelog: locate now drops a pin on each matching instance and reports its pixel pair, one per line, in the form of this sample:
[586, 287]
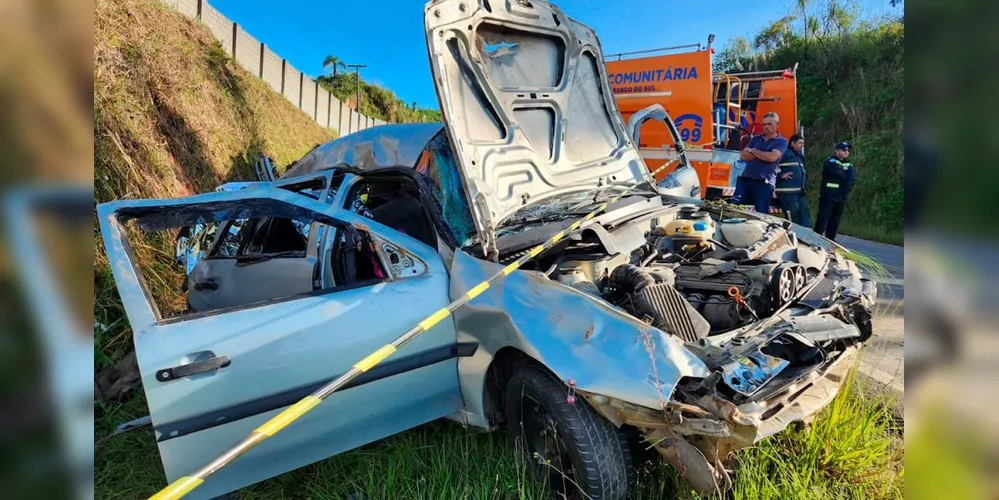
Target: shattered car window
[438, 167]
[202, 240]
[228, 244]
[276, 235]
[359, 204]
[193, 243]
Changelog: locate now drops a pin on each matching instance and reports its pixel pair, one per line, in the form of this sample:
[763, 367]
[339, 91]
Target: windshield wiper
[548, 217]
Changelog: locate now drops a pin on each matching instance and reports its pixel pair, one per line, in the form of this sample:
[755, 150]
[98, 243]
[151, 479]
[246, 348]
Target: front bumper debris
[697, 438]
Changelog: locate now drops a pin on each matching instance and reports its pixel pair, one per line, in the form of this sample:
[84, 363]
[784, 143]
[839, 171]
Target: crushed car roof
[396, 145]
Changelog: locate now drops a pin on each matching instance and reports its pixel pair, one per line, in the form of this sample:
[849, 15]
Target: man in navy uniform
[756, 184]
[791, 182]
[838, 178]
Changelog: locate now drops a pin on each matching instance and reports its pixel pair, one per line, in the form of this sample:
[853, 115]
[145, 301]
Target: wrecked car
[662, 322]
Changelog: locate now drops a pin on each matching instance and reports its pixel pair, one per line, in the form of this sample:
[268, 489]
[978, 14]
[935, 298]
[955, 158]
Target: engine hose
[551, 269]
[652, 255]
[631, 278]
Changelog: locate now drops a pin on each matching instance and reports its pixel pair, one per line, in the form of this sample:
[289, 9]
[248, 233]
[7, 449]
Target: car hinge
[488, 231]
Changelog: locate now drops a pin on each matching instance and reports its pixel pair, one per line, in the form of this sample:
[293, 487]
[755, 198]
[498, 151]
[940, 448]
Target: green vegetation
[376, 101]
[852, 450]
[850, 87]
[173, 116]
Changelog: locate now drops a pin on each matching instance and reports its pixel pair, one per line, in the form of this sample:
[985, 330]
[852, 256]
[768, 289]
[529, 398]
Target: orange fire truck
[715, 113]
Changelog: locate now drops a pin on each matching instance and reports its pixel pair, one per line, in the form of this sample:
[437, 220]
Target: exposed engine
[694, 276]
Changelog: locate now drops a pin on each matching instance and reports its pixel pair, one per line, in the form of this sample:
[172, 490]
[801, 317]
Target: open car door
[211, 376]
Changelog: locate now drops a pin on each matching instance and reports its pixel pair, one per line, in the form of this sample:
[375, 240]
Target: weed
[146, 84]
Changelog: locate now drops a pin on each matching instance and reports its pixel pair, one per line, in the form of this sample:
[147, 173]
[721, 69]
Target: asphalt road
[884, 357]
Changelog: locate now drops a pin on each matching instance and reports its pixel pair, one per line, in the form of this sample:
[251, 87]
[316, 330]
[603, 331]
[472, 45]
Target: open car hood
[526, 103]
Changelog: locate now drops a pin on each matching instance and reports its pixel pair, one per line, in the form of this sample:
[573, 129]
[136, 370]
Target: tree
[801, 7]
[333, 62]
[774, 36]
[735, 56]
[813, 26]
[839, 17]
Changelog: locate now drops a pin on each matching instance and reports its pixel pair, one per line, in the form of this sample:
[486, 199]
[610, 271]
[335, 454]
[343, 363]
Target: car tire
[568, 445]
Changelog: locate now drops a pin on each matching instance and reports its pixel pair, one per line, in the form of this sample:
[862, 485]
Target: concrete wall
[335, 106]
[272, 69]
[187, 7]
[355, 121]
[247, 51]
[309, 98]
[219, 25]
[292, 83]
[301, 90]
[344, 120]
[323, 107]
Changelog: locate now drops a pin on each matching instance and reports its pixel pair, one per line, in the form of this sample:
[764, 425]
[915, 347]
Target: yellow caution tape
[289, 415]
[511, 268]
[434, 318]
[375, 357]
[184, 485]
[178, 488]
[477, 290]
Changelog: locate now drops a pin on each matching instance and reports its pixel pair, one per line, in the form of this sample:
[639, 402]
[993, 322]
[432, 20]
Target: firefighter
[756, 184]
[838, 177]
[791, 182]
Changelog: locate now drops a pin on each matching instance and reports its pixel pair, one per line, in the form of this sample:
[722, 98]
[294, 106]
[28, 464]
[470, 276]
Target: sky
[388, 36]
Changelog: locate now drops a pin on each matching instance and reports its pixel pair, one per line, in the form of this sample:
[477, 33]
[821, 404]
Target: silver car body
[268, 332]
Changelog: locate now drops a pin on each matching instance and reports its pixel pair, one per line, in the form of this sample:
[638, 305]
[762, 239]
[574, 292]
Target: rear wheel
[578, 453]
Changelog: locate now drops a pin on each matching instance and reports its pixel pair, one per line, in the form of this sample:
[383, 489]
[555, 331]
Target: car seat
[405, 214]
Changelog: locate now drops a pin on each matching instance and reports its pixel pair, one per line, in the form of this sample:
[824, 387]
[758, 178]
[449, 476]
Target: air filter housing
[670, 312]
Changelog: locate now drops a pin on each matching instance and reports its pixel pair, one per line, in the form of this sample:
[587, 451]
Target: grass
[873, 232]
[173, 115]
[852, 450]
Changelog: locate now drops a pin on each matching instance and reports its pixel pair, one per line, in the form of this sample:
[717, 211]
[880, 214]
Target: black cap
[845, 146]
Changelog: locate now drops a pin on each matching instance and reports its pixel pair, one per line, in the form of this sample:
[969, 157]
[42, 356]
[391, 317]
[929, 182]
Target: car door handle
[209, 284]
[186, 370]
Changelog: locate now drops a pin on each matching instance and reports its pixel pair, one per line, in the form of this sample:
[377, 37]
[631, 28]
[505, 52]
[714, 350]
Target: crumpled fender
[576, 336]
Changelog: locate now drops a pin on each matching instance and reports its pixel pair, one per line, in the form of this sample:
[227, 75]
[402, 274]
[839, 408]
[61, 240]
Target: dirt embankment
[173, 116]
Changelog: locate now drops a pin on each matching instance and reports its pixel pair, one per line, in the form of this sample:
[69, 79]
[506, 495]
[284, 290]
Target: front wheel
[578, 453]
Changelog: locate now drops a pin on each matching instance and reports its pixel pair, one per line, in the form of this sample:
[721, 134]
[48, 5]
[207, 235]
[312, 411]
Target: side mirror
[683, 181]
[657, 112]
[265, 169]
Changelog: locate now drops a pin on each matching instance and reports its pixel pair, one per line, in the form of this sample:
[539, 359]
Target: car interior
[395, 202]
[276, 235]
[249, 252]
